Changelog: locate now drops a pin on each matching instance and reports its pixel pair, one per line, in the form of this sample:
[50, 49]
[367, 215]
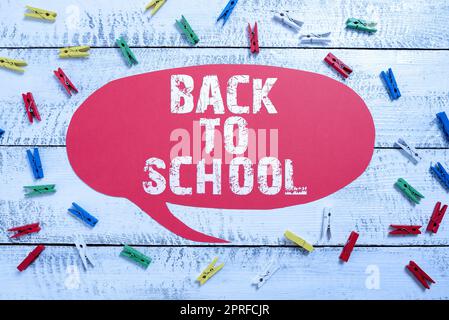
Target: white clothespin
[316, 38]
[326, 230]
[261, 278]
[409, 150]
[85, 256]
[286, 18]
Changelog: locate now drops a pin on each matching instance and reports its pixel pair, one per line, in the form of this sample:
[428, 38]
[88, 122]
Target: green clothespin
[38, 190]
[408, 190]
[136, 256]
[359, 24]
[185, 27]
[129, 55]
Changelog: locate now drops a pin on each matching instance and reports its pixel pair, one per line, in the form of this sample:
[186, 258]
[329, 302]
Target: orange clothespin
[253, 38]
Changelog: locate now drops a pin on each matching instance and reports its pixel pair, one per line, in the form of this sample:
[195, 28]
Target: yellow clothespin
[74, 52]
[298, 240]
[156, 3]
[210, 270]
[12, 64]
[40, 14]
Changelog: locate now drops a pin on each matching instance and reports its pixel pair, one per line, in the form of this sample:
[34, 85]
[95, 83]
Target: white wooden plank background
[368, 205]
[423, 77]
[173, 271]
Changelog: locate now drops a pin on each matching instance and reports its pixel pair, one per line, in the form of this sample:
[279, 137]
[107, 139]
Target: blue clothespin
[391, 84]
[441, 173]
[227, 10]
[35, 163]
[126, 51]
[82, 214]
[444, 122]
[1, 132]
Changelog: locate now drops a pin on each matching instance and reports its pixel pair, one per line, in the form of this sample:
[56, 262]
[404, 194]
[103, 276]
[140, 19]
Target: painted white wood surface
[423, 78]
[172, 274]
[402, 24]
[368, 205]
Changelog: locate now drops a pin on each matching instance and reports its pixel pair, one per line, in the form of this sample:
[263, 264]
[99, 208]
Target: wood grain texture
[423, 78]
[368, 205]
[402, 24]
[173, 271]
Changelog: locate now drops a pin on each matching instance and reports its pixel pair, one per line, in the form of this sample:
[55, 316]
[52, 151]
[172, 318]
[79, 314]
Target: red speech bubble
[140, 138]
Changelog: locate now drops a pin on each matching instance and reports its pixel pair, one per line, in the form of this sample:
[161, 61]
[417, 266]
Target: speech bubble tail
[168, 220]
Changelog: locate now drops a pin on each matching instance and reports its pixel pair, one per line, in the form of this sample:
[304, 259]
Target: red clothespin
[349, 246]
[401, 229]
[437, 217]
[253, 38]
[23, 230]
[30, 107]
[338, 65]
[419, 274]
[30, 257]
[65, 81]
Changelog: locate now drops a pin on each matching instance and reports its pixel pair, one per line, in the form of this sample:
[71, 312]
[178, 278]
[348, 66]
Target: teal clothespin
[185, 27]
[408, 190]
[38, 190]
[359, 24]
[136, 256]
[129, 55]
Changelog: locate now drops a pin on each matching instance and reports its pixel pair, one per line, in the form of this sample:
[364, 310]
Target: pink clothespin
[24, 230]
[402, 229]
[253, 38]
[65, 81]
[419, 274]
[338, 65]
[349, 246]
[437, 217]
[30, 107]
[31, 257]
